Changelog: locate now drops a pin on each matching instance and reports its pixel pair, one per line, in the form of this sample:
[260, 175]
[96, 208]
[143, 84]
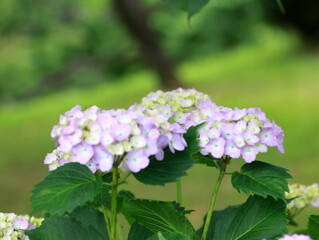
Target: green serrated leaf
[91, 217]
[215, 218]
[158, 216]
[263, 179]
[168, 236]
[313, 226]
[64, 189]
[258, 218]
[138, 232]
[63, 228]
[181, 209]
[189, 6]
[103, 197]
[173, 165]
[107, 178]
[207, 160]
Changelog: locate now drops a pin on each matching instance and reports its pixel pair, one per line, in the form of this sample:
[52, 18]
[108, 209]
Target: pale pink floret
[295, 237]
[136, 160]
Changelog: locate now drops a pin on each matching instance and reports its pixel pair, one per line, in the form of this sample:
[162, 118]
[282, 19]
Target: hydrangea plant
[156, 141]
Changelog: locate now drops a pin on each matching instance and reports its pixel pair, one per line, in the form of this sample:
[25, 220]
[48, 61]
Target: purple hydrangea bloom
[246, 132]
[97, 138]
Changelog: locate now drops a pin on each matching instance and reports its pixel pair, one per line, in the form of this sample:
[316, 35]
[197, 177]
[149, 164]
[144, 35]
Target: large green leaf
[258, 218]
[159, 216]
[138, 232]
[189, 6]
[63, 228]
[232, 210]
[263, 179]
[66, 188]
[313, 227]
[173, 165]
[168, 236]
[91, 217]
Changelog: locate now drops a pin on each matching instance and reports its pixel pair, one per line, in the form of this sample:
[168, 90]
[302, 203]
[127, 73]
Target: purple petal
[249, 153]
[250, 138]
[253, 127]
[75, 138]
[267, 137]
[64, 144]
[238, 113]
[103, 158]
[83, 152]
[20, 223]
[138, 141]
[216, 147]
[136, 160]
[94, 138]
[239, 141]
[213, 133]
[240, 127]
[106, 138]
[106, 121]
[231, 150]
[151, 147]
[177, 142]
[159, 155]
[120, 132]
[153, 133]
[228, 130]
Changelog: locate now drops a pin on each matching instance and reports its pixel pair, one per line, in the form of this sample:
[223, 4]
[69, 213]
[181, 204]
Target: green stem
[179, 190]
[214, 197]
[212, 205]
[107, 220]
[114, 203]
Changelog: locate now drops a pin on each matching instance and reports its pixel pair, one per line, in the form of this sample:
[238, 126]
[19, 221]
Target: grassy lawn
[272, 74]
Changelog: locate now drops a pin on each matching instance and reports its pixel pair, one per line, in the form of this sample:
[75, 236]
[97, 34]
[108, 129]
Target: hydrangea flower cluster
[12, 226]
[233, 132]
[185, 108]
[180, 109]
[239, 133]
[295, 237]
[303, 196]
[97, 138]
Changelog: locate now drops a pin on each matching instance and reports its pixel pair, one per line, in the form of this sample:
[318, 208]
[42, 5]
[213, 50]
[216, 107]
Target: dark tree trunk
[135, 17]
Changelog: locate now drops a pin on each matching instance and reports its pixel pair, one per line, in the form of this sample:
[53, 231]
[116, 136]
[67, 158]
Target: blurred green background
[243, 53]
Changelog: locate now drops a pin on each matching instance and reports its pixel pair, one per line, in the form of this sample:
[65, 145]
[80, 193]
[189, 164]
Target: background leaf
[258, 218]
[168, 236]
[313, 227]
[159, 216]
[189, 6]
[63, 228]
[64, 189]
[263, 179]
[91, 217]
[173, 165]
[138, 232]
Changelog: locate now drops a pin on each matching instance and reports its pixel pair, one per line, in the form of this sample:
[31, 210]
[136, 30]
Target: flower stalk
[179, 190]
[221, 175]
[115, 178]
